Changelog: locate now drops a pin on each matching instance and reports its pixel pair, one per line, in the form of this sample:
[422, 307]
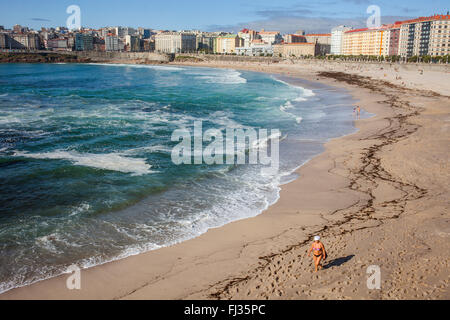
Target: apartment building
[4, 41]
[112, 43]
[439, 44]
[367, 42]
[59, 44]
[84, 42]
[248, 36]
[148, 45]
[175, 42]
[257, 48]
[228, 43]
[394, 40]
[271, 37]
[27, 41]
[206, 42]
[425, 36]
[18, 29]
[288, 50]
[144, 33]
[336, 39]
[294, 38]
[132, 43]
[121, 32]
[323, 40]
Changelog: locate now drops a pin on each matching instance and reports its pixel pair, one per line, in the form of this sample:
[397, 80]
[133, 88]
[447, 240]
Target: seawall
[398, 66]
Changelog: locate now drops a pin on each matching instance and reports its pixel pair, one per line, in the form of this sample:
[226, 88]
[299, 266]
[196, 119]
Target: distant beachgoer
[319, 253]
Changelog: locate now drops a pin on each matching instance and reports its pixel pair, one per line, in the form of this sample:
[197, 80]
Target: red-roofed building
[248, 36]
[425, 36]
[367, 42]
[416, 37]
[296, 50]
[271, 37]
[323, 40]
[294, 38]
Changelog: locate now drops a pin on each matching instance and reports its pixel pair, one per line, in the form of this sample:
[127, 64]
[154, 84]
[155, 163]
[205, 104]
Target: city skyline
[286, 16]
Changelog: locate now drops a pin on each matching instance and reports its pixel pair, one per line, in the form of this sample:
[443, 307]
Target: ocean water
[86, 175]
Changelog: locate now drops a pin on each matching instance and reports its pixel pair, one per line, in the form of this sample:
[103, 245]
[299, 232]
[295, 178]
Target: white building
[336, 39]
[256, 48]
[121, 32]
[132, 43]
[112, 43]
[175, 42]
[271, 37]
[248, 36]
[26, 41]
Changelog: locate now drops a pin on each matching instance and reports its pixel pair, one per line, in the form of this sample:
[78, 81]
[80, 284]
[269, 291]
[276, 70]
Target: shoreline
[230, 261]
[292, 174]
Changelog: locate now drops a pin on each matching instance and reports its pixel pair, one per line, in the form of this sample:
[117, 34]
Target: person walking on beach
[357, 111]
[319, 253]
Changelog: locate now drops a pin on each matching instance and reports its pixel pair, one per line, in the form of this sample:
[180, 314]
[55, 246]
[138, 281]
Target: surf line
[238, 147]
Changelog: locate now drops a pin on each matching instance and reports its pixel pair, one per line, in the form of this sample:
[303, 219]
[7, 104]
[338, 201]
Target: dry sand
[377, 197]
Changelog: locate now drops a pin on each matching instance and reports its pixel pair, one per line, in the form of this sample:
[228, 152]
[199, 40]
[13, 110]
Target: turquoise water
[86, 174]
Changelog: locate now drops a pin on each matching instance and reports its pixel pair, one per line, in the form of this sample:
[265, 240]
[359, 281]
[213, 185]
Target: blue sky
[212, 15]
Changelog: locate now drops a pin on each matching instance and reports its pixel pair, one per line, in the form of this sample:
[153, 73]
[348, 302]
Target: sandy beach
[377, 197]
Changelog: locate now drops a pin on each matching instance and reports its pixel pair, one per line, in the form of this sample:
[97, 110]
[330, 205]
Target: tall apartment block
[84, 42]
[417, 37]
[23, 41]
[175, 42]
[367, 42]
[133, 43]
[228, 43]
[112, 43]
[425, 36]
[4, 41]
[337, 37]
[382, 41]
[206, 42]
[394, 40]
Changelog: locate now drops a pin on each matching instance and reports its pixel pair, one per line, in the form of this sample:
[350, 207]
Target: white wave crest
[228, 76]
[262, 143]
[304, 93]
[288, 106]
[109, 161]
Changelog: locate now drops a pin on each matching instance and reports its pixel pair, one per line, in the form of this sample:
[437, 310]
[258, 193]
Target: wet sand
[377, 197]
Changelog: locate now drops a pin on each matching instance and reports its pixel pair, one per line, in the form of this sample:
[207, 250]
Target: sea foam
[227, 76]
[109, 161]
